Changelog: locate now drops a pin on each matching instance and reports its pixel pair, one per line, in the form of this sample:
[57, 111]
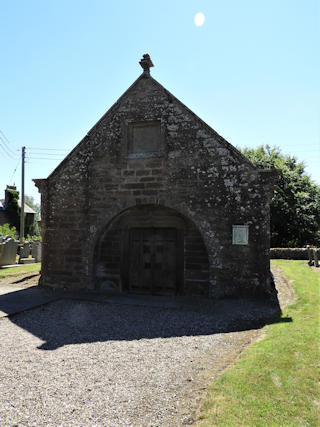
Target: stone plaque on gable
[240, 234]
[144, 137]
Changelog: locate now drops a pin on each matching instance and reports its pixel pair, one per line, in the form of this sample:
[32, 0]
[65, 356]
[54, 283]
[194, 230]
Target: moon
[199, 19]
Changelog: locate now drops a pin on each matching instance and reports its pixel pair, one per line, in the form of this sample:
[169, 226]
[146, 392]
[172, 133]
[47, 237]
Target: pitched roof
[218, 137]
[29, 210]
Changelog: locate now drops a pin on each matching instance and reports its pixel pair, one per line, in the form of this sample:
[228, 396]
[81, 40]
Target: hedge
[291, 253]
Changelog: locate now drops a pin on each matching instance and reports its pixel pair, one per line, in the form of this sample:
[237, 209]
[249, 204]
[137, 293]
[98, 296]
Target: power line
[4, 136]
[7, 152]
[43, 155]
[6, 142]
[5, 145]
[43, 158]
[14, 171]
[6, 148]
[47, 149]
[39, 153]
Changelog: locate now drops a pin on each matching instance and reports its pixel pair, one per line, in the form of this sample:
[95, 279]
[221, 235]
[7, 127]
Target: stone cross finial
[146, 63]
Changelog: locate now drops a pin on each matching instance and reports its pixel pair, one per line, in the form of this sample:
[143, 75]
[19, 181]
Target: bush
[6, 230]
[33, 238]
[290, 253]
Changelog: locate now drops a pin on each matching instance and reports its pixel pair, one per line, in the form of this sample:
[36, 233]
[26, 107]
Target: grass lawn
[24, 268]
[276, 381]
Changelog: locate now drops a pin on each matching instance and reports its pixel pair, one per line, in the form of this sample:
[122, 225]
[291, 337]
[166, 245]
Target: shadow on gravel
[25, 278]
[68, 321]
[16, 301]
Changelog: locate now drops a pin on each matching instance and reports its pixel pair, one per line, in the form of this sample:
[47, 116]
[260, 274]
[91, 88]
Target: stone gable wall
[195, 172]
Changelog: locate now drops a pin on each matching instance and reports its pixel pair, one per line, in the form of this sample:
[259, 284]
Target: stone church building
[154, 201]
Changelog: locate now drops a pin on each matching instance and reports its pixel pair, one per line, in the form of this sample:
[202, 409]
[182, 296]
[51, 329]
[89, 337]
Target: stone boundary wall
[290, 253]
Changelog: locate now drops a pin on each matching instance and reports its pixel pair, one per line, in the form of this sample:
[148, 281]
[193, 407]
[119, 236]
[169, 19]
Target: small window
[240, 234]
[145, 137]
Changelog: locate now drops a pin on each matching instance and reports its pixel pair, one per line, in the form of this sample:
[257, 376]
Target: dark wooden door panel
[140, 272]
[165, 265]
[153, 261]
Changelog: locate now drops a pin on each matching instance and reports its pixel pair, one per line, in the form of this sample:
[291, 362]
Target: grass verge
[275, 382]
[24, 268]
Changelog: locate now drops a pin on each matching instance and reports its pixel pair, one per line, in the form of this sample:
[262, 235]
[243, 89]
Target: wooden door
[153, 261]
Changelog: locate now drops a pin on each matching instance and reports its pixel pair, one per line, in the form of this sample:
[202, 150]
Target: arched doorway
[152, 250]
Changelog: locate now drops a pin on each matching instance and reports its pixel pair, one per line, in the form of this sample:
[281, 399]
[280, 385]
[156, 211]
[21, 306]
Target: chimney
[6, 193]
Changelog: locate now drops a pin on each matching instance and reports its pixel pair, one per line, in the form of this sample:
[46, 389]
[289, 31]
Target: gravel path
[75, 363]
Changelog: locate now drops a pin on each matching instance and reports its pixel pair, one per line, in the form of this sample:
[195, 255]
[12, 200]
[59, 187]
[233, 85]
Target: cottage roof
[28, 210]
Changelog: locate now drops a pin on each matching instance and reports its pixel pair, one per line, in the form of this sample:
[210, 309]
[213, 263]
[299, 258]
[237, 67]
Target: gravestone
[310, 255]
[9, 252]
[36, 251]
[1, 250]
[315, 256]
[25, 250]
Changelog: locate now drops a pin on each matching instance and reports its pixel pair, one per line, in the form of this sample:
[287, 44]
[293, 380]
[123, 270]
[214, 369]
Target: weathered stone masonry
[153, 191]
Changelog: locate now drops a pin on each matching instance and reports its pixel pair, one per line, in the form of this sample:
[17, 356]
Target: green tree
[295, 205]
[32, 231]
[13, 208]
[6, 230]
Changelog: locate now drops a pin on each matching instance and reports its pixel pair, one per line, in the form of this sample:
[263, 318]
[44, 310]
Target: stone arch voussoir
[167, 231]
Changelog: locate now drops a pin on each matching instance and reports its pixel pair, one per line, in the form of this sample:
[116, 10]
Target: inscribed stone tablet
[240, 234]
[145, 137]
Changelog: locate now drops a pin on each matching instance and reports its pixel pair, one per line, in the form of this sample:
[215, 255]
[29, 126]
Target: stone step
[26, 260]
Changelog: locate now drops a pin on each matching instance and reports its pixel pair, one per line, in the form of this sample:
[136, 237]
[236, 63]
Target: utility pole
[23, 153]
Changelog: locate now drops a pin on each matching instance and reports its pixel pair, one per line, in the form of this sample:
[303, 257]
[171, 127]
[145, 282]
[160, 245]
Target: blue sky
[251, 72]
